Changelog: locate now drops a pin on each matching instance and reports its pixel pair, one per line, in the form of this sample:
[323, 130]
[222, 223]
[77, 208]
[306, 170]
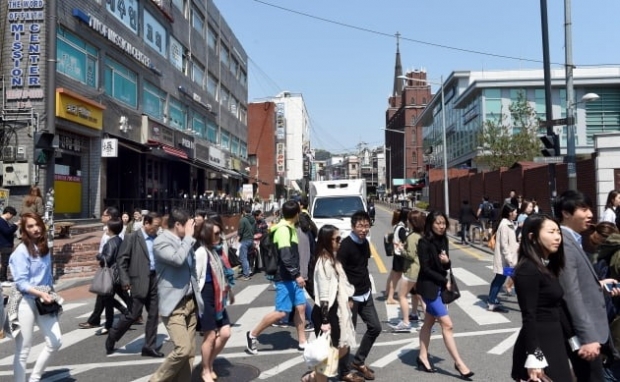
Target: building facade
[263, 146]
[150, 102]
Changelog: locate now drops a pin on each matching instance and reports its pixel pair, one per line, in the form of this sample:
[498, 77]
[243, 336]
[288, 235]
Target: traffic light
[549, 143]
[43, 147]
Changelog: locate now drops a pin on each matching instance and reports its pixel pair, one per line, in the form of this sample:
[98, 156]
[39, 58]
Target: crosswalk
[253, 301]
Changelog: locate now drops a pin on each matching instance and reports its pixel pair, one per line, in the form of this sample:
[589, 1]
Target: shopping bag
[318, 350]
[329, 367]
[508, 271]
[103, 282]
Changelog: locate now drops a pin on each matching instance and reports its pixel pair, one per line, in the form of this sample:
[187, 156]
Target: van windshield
[337, 207]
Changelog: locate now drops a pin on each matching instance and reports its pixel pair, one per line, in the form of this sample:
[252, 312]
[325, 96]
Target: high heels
[464, 376]
[422, 366]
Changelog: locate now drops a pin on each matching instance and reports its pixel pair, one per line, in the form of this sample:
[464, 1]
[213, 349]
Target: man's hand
[127, 287]
[300, 281]
[589, 351]
[189, 227]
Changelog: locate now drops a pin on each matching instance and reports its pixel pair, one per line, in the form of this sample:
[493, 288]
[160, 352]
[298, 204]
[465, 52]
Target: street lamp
[404, 156]
[446, 194]
[570, 139]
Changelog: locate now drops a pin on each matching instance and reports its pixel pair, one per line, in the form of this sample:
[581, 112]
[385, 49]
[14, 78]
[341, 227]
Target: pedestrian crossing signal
[42, 156]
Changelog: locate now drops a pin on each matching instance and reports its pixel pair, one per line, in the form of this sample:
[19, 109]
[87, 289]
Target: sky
[340, 54]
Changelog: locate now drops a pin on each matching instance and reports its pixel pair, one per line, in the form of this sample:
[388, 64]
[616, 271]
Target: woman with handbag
[433, 281]
[540, 351]
[504, 256]
[399, 222]
[332, 313]
[215, 280]
[31, 268]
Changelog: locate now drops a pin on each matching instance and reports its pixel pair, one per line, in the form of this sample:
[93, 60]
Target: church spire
[398, 70]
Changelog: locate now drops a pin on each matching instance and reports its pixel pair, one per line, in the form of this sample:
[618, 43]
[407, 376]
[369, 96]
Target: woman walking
[433, 278]
[540, 349]
[504, 256]
[33, 202]
[215, 282]
[611, 206]
[411, 271]
[399, 222]
[31, 268]
[331, 312]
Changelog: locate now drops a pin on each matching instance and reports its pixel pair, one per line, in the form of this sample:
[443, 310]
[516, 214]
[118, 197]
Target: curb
[61, 285]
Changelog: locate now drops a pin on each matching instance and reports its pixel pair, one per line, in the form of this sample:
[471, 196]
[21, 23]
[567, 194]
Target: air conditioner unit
[15, 174]
[8, 153]
[21, 154]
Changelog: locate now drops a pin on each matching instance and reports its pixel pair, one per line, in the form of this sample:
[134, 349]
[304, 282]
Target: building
[148, 102]
[403, 137]
[472, 97]
[263, 146]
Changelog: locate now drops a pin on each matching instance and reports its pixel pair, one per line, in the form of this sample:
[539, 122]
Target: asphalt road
[484, 339]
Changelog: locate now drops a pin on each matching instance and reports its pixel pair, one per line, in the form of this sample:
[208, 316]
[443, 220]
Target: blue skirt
[436, 307]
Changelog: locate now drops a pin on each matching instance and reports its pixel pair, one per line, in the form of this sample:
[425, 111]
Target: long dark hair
[610, 199]
[41, 242]
[507, 209]
[531, 249]
[324, 243]
[428, 225]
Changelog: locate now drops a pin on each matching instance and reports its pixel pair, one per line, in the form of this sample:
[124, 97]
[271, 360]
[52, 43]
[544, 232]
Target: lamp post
[446, 193]
[571, 159]
[404, 156]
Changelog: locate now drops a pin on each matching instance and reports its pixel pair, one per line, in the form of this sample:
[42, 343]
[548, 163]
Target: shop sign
[126, 11]
[70, 142]
[280, 159]
[216, 157]
[25, 24]
[154, 34]
[79, 109]
[107, 32]
[159, 133]
[280, 122]
[235, 164]
[202, 152]
[109, 148]
[185, 143]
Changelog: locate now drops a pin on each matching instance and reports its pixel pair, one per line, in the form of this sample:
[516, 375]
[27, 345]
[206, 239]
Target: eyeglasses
[362, 226]
[336, 239]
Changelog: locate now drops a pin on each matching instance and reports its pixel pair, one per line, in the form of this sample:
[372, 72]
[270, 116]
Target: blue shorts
[436, 307]
[288, 295]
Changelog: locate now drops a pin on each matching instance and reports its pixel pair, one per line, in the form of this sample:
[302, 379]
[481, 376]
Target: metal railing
[231, 206]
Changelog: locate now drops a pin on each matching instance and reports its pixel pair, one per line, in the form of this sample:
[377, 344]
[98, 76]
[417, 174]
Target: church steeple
[398, 70]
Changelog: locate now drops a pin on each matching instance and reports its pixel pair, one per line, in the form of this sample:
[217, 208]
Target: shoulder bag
[43, 308]
[447, 296]
[103, 281]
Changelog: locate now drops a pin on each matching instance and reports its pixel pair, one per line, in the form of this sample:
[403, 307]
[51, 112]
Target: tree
[510, 138]
[320, 154]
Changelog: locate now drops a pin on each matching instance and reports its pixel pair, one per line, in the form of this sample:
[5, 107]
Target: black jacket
[110, 251]
[433, 274]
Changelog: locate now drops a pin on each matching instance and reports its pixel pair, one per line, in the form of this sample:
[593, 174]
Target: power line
[436, 45]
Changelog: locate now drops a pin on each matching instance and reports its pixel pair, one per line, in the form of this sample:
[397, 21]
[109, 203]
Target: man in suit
[179, 295]
[583, 292]
[136, 266]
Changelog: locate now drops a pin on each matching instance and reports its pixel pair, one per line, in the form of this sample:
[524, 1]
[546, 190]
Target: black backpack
[487, 210]
[388, 243]
[270, 253]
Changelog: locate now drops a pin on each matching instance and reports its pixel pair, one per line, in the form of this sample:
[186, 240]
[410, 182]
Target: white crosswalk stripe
[468, 278]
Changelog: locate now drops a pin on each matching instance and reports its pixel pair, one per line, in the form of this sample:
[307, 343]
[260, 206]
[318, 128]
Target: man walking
[353, 254]
[245, 235]
[136, 268]
[289, 283]
[179, 296]
[484, 215]
[7, 237]
[582, 291]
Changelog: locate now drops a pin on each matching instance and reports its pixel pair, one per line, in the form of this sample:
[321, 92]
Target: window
[225, 140]
[177, 114]
[211, 132]
[602, 115]
[243, 114]
[234, 145]
[243, 150]
[180, 4]
[224, 96]
[76, 58]
[212, 86]
[198, 125]
[121, 83]
[243, 78]
[234, 67]
[154, 34]
[177, 52]
[198, 20]
[539, 96]
[493, 104]
[126, 11]
[233, 106]
[198, 73]
[212, 39]
[153, 101]
[224, 56]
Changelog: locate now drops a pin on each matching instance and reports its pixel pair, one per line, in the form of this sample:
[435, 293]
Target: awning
[225, 172]
[174, 152]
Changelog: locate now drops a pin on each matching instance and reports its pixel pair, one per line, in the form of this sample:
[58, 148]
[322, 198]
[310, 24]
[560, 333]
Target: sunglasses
[337, 239]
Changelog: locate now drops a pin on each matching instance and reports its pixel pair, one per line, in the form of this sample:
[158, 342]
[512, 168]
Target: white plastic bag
[317, 351]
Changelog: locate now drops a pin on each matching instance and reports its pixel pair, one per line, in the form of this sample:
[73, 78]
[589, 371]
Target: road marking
[281, 367]
[477, 310]
[398, 353]
[505, 345]
[249, 294]
[468, 278]
[377, 258]
[135, 346]
[245, 323]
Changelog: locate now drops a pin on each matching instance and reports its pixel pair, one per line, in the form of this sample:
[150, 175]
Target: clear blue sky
[346, 74]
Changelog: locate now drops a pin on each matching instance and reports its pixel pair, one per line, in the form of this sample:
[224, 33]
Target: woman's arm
[428, 263]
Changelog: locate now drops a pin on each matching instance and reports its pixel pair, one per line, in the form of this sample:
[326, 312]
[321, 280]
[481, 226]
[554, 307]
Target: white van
[335, 201]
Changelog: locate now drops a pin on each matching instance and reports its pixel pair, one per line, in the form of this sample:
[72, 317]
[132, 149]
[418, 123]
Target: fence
[232, 206]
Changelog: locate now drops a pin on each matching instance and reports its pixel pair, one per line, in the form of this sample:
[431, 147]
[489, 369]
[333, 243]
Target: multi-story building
[473, 97]
[268, 152]
[148, 101]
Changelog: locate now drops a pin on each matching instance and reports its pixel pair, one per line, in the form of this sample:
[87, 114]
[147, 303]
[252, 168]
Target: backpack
[487, 210]
[271, 254]
[388, 243]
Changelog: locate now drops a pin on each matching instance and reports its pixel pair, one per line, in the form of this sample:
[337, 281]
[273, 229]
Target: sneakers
[401, 327]
[496, 308]
[309, 327]
[252, 344]
[283, 324]
[302, 347]
[87, 325]
[7, 284]
[245, 278]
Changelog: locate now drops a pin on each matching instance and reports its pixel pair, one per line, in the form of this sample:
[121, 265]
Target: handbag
[233, 259]
[43, 308]
[329, 367]
[318, 350]
[447, 296]
[103, 282]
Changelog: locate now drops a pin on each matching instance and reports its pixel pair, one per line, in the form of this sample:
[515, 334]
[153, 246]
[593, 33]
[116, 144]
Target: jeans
[496, 286]
[366, 310]
[464, 231]
[244, 247]
[28, 316]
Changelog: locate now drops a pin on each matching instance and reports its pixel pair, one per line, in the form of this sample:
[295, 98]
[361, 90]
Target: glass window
[516, 93]
[179, 4]
[198, 125]
[243, 78]
[177, 114]
[126, 11]
[198, 73]
[233, 106]
[493, 104]
[198, 20]
[212, 39]
[224, 96]
[225, 140]
[243, 114]
[243, 150]
[153, 101]
[121, 83]
[154, 34]
[211, 132]
[212, 85]
[177, 50]
[539, 96]
[76, 58]
[234, 145]
[224, 56]
[234, 67]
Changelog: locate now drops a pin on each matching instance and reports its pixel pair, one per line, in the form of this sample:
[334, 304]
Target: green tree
[510, 138]
[320, 154]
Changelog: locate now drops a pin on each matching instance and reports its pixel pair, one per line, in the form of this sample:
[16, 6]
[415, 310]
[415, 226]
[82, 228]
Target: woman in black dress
[540, 349]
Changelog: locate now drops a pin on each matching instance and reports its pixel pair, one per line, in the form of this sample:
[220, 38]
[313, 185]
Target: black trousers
[366, 310]
[109, 303]
[5, 254]
[150, 302]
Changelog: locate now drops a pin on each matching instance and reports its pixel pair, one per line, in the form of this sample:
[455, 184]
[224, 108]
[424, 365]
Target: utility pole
[570, 99]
